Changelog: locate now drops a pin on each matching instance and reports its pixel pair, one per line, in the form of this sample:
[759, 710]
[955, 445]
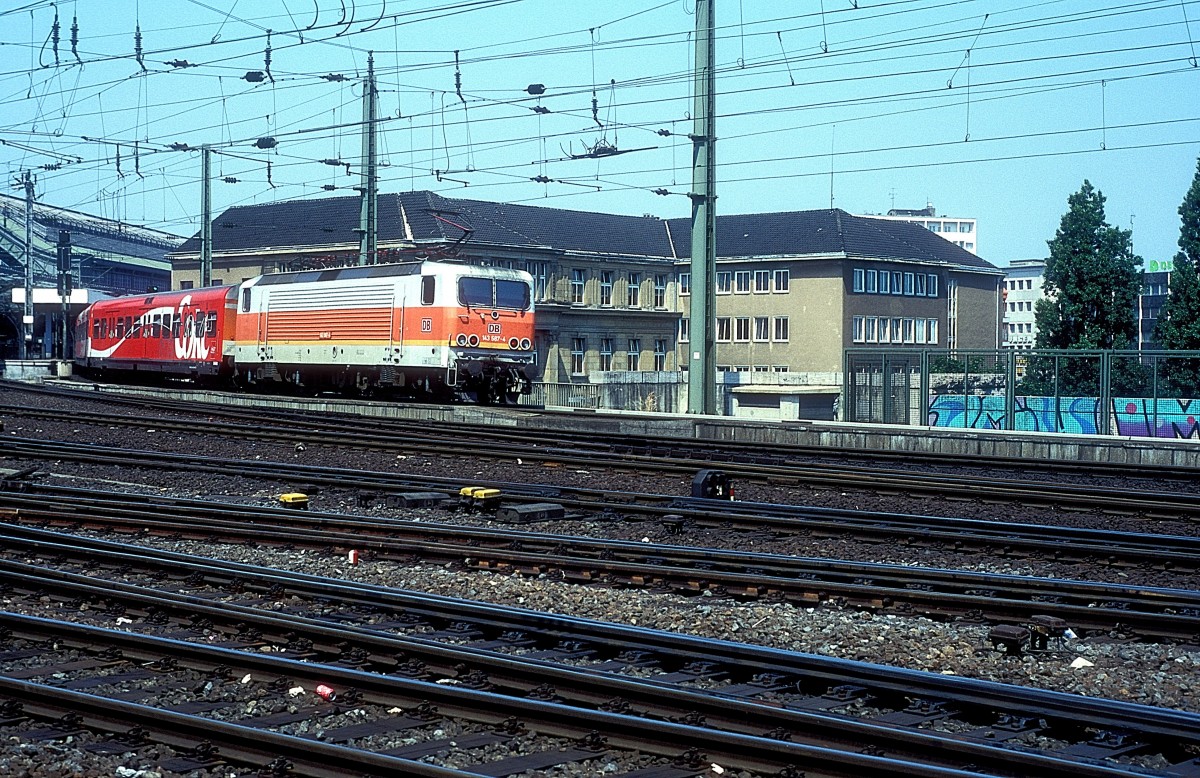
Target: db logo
[493, 328]
[426, 325]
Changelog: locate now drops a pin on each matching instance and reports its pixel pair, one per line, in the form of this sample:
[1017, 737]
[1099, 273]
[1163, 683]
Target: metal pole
[701, 372]
[27, 316]
[368, 213]
[65, 285]
[205, 216]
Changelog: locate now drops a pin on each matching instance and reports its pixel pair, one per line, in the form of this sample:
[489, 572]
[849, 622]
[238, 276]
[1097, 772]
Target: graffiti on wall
[1132, 417]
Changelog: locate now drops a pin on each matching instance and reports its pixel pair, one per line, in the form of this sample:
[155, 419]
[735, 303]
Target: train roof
[377, 271]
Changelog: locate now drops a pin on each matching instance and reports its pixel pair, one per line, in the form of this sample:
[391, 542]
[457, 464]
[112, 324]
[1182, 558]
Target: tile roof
[428, 217]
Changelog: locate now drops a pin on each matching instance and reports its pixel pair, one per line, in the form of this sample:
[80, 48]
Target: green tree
[1092, 280]
[1178, 325]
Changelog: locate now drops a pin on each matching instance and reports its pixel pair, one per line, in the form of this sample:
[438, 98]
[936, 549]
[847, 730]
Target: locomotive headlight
[513, 343]
[473, 341]
[461, 339]
[526, 344]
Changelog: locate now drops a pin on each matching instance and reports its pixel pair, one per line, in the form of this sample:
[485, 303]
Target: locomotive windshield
[493, 293]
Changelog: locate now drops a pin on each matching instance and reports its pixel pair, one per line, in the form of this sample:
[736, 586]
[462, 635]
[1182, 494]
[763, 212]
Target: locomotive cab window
[428, 284]
[246, 300]
[484, 292]
[211, 328]
[512, 294]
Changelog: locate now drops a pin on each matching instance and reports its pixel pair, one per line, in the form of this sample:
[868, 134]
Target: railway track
[992, 540]
[249, 408]
[1143, 612]
[605, 674]
[678, 457]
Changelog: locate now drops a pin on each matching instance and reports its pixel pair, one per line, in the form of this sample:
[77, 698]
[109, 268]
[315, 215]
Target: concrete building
[1156, 283]
[794, 289]
[1022, 290]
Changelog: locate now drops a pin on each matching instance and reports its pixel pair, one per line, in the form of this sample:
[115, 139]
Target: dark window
[512, 294]
[427, 287]
[475, 292]
[245, 300]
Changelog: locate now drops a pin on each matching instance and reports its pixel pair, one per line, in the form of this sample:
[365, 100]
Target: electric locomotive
[427, 329]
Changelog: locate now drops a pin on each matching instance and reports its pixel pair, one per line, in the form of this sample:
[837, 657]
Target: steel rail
[520, 677]
[632, 733]
[1145, 611]
[965, 535]
[1148, 504]
[252, 408]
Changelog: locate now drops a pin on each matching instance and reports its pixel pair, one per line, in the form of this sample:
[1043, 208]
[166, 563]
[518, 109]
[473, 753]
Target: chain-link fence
[1131, 393]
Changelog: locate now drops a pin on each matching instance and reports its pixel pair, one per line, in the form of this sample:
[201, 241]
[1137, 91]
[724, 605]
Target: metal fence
[1130, 393]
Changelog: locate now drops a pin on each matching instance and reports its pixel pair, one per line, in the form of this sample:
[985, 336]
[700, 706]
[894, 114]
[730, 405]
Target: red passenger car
[186, 333]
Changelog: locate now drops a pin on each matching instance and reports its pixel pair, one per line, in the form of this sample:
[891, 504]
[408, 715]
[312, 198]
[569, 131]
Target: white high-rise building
[1022, 289]
[959, 230]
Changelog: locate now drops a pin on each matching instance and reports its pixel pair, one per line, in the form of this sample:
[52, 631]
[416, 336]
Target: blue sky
[993, 109]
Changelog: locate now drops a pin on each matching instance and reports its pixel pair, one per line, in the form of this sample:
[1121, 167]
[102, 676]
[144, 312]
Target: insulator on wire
[55, 30]
[266, 143]
[75, 38]
[137, 47]
[231, 180]
[334, 77]
[255, 76]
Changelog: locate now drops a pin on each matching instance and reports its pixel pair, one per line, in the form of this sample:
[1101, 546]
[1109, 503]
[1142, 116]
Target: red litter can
[353, 557]
[326, 693]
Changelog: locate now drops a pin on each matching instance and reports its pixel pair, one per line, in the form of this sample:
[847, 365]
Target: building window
[606, 287]
[782, 280]
[578, 352]
[724, 282]
[633, 290]
[908, 330]
[897, 285]
[950, 227]
[635, 354]
[908, 284]
[871, 334]
[660, 290]
[741, 329]
[860, 283]
[885, 282]
[934, 226]
[858, 329]
[781, 329]
[885, 330]
[578, 282]
[741, 282]
[896, 330]
[185, 284]
[762, 281]
[724, 329]
[684, 326]
[932, 287]
[931, 331]
[920, 285]
[660, 355]
[606, 353]
[685, 283]
[967, 227]
[762, 329]
[872, 281]
[779, 369]
[919, 325]
[540, 271]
